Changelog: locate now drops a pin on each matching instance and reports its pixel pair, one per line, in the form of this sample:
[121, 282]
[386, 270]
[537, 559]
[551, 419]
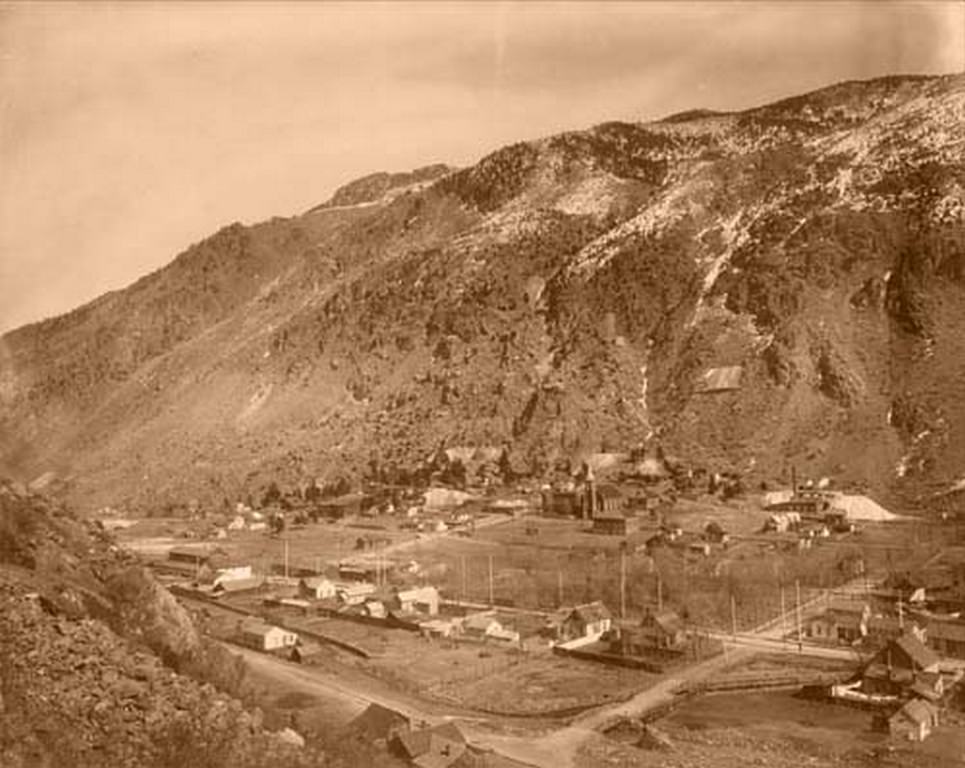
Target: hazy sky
[129, 131]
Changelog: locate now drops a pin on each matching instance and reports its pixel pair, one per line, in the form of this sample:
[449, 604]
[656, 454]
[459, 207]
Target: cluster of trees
[296, 497]
[698, 590]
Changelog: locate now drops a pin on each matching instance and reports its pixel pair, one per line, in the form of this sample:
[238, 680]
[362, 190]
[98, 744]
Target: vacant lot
[542, 683]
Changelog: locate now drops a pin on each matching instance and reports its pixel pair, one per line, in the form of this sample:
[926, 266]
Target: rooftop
[918, 711]
[377, 722]
[591, 612]
[667, 620]
[920, 654]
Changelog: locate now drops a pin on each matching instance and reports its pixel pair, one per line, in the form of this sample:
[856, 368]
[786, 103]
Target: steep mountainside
[561, 296]
[83, 631]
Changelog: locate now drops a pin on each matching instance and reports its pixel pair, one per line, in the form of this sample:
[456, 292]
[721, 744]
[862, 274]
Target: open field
[543, 683]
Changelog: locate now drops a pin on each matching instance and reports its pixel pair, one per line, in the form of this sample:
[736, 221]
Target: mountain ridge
[560, 296]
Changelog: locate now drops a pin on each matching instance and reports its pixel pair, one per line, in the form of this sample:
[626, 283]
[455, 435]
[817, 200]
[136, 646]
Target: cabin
[255, 633]
[662, 629]
[914, 721]
[658, 631]
[374, 609]
[844, 621]
[439, 746]
[317, 588]
[378, 724]
[307, 652]
[587, 621]
[485, 626]
[899, 666]
[418, 600]
[354, 593]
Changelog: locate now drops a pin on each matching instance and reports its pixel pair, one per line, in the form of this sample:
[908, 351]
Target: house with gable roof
[588, 621]
[317, 588]
[255, 633]
[915, 720]
[439, 746]
[899, 666]
[378, 723]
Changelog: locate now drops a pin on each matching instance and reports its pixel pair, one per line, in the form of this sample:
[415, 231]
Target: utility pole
[559, 587]
[492, 602]
[733, 617]
[463, 562]
[797, 588]
[659, 592]
[783, 618]
[623, 584]
[286, 556]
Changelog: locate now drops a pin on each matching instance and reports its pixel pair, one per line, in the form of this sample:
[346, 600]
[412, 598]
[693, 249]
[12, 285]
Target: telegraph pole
[783, 618]
[659, 592]
[463, 559]
[492, 602]
[797, 588]
[623, 584]
[286, 556]
[559, 587]
[733, 617]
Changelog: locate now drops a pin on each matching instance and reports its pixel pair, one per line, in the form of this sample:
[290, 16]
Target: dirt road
[558, 749]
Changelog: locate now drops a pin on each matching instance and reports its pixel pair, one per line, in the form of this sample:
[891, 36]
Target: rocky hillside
[562, 296]
[83, 631]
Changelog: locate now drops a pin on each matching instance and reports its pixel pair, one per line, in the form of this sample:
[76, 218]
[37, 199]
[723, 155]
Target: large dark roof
[920, 654]
[667, 620]
[591, 612]
[377, 722]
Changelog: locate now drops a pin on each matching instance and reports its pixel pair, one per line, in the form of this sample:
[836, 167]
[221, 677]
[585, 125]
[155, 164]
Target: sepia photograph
[452, 384]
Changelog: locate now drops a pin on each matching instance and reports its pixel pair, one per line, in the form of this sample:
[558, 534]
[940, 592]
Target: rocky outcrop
[84, 637]
[76, 694]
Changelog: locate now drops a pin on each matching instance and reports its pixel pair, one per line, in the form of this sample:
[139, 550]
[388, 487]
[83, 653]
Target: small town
[491, 384]
[577, 596]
